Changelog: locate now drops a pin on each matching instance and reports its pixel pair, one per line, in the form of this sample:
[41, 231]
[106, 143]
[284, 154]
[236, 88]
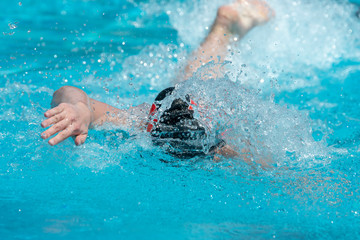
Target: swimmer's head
[176, 129]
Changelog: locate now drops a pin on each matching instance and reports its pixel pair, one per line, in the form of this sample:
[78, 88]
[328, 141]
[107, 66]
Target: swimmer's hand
[74, 112]
[67, 120]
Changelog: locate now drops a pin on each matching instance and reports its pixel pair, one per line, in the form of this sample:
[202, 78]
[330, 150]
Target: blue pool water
[300, 109]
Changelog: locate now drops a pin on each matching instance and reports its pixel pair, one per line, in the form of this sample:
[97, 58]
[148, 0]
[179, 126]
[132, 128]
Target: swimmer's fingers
[53, 120]
[55, 129]
[80, 139]
[67, 132]
[54, 111]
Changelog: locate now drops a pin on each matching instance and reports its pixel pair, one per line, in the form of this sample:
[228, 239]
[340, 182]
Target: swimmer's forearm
[214, 48]
[133, 117]
[229, 152]
[245, 154]
[104, 113]
[99, 112]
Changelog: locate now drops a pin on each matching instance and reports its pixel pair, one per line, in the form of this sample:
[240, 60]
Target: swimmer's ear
[80, 139]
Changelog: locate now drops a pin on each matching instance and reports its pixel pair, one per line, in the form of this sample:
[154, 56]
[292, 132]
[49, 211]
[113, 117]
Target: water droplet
[12, 25]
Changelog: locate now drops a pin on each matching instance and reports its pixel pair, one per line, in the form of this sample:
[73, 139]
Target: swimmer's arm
[134, 117]
[99, 112]
[73, 113]
[213, 48]
[228, 152]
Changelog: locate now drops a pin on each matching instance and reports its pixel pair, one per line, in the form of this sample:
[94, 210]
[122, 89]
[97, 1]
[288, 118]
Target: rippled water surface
[290, 89]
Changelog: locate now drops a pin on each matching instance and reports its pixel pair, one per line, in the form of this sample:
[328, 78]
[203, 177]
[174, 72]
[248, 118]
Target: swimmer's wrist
[92, 114]
[86, 113]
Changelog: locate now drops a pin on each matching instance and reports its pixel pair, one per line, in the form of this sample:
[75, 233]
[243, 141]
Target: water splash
[280, 134]
[303, 40]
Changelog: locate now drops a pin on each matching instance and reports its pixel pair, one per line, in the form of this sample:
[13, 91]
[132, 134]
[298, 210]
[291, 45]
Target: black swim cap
[177, 130]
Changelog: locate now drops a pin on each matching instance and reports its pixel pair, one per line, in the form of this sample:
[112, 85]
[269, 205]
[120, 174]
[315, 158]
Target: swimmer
[177, 130]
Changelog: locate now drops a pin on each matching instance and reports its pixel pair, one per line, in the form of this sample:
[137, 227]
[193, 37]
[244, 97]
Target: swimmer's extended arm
[228, 152]
[73, 113]
[232, 22]
[213, 48]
